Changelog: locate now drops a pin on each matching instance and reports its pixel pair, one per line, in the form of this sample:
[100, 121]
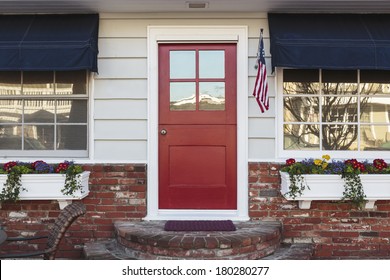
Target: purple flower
[43, 167]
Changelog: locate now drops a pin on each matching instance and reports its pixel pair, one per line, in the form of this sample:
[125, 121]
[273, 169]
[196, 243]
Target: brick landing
[148, 240]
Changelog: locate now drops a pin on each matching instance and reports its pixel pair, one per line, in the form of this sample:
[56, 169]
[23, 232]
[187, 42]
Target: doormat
[225, 225]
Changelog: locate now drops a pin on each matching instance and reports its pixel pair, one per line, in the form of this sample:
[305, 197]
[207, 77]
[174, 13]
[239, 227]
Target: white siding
[120, 109]
[120, 89]
[120, 129]
[122, 47]
[115, 150]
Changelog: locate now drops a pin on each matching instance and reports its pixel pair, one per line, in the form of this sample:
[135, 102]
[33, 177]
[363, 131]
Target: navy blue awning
[330, 41]
[49, 42]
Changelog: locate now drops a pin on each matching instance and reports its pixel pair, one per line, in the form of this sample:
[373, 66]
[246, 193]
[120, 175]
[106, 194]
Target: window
[44, 113]
[201, 71]
[335, 111]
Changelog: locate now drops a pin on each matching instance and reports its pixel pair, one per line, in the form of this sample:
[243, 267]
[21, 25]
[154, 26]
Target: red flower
[379, 164]
[62, 167]
[8, 166]
[290, 161]
[356, 164]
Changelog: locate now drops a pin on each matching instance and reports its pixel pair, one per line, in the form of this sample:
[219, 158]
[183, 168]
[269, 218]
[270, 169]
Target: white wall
[120, 88]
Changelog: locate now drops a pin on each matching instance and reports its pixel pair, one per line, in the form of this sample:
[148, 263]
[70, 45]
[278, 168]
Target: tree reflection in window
[332, 110]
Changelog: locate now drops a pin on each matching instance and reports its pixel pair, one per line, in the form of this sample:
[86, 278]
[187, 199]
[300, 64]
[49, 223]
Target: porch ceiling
[145, 6]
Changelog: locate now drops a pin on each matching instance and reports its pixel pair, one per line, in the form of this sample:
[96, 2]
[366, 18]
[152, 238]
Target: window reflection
[10, 83]
[71, 111]
[71, 137]
[375, 109]
[301, 137]
[339, 137]
[39, 137]
[354, 108]
[29, 122]
[182, 96]
[71, 82]
[11, 111]
[375, 137]
[212, 96]
[339, 82]
[340, 109]
[39, 111]
[10, 137]
[38, 83]
[301, 109]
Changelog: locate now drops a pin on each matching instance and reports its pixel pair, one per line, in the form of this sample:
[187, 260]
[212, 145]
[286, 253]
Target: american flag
[260, 92]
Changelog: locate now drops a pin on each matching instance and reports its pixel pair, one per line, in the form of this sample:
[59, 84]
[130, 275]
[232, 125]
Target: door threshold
[197, 215]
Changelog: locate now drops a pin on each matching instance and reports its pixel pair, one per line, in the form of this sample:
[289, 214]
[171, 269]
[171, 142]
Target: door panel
[199, 167]
[197, 115]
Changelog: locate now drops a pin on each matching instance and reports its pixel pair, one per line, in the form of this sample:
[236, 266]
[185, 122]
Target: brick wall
[117, 192]
[338, 230]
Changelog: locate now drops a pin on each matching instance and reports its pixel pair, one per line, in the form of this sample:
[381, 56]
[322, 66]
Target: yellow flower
[324, 165]
[326, 157]
[318, 162]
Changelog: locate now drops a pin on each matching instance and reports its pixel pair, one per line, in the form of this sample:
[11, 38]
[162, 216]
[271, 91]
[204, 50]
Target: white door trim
[198, 34]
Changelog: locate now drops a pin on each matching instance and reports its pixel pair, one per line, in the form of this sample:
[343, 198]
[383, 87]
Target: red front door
[197, 123]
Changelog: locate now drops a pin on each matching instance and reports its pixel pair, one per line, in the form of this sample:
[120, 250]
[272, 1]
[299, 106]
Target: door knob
[163, 132]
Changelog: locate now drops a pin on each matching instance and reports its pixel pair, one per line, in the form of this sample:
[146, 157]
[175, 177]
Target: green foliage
[354, 189]
[72, 183]
[13, 185]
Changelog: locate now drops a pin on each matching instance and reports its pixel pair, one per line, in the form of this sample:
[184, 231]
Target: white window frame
[198, 34]
[297, 154]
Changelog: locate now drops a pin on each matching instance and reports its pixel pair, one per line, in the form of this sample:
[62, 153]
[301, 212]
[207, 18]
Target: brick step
[299, 251]
[148, 240]
[104, 250]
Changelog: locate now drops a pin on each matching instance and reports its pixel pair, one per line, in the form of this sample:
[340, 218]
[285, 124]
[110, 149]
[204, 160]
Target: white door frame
[198, 34]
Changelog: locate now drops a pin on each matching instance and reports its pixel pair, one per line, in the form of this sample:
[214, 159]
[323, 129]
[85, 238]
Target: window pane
[39, 137]
[71, 82]
[71, 137]
[339, 137]
[212, 96]
[375, 82]
[39, 111]
[38, 83]
[72, 111]
[211, 64]
[182, 96]
[10, 137]
[10, 83]
[11, 111]
[375, 137]
[375, 109]
[301, 137]
[301, 109]
[339, 82]
[339, 109]
[182, 64]
[300, 81]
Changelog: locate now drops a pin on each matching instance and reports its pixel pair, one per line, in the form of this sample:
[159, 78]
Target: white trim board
[198, 34]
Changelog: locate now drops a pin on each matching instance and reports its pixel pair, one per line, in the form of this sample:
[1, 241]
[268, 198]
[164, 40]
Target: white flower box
[48, 187]
[331, 187]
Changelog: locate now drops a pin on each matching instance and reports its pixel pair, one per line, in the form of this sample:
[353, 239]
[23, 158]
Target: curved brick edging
[148, 240]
